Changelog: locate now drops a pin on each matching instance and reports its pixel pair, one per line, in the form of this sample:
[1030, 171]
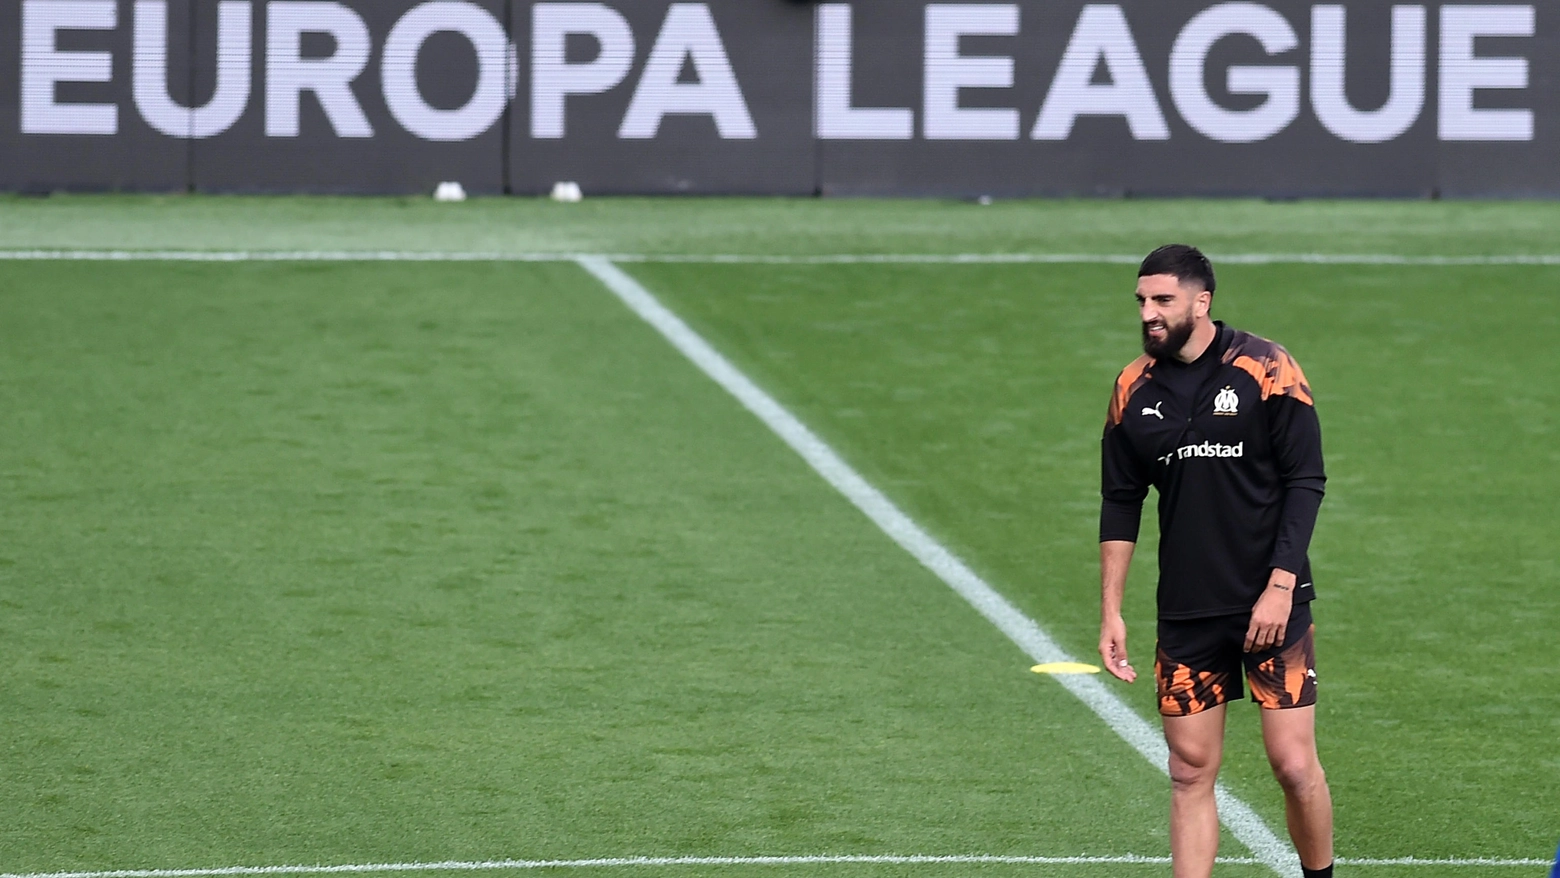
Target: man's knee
[1299, 775]
[1191, 771]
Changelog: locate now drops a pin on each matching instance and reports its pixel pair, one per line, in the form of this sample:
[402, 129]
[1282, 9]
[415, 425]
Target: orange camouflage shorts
[1198, 664]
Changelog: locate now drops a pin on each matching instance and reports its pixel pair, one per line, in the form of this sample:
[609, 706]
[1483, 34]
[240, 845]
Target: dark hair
[1184, 262]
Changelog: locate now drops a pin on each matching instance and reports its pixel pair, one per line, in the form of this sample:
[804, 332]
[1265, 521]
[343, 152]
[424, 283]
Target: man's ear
[1202, 304]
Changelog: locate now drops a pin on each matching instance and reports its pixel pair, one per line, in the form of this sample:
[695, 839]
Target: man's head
[1174, 292]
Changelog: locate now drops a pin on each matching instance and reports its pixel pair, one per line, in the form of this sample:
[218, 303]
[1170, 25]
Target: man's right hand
[1113, 648]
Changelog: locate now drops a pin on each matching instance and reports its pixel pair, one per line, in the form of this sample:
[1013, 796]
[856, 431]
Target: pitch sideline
[70, 255]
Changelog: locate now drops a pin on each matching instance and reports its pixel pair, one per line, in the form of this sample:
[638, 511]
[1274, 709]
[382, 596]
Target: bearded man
[1222, 424]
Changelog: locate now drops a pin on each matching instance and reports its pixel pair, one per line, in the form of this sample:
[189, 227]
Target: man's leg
[1290, 737]
[1196, 746]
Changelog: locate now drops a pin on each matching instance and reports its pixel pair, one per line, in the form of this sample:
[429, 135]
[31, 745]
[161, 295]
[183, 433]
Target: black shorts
[1198, 664]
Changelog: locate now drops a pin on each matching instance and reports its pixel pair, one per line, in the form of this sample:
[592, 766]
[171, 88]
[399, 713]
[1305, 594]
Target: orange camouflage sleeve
[1275, 371]
[1127, 383]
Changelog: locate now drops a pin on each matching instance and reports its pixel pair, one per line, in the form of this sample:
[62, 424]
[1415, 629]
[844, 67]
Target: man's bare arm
[1115, 558]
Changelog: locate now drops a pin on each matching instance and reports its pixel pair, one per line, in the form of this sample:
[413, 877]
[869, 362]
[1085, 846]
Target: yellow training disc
[1065, 668]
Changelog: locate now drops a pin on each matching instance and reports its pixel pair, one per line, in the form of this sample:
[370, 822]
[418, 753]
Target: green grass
[776, 226]
[363, 562]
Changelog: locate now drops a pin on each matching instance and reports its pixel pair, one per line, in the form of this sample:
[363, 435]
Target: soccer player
[1221, 423]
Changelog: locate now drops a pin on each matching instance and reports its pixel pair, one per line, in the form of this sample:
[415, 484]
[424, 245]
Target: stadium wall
[874, 97]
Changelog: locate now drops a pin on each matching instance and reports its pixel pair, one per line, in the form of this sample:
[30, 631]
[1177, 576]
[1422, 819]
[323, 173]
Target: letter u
[150, 71]
[1328, 96]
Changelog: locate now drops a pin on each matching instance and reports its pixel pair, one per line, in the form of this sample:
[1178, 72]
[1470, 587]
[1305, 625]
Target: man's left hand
[1270, 617]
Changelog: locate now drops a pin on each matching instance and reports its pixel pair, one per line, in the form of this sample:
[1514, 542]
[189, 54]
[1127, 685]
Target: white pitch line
[1443, 861]
[493, 865]
[275, 256]
[1235, 814]
[66, 255]
[1086, 259]
[599, 862]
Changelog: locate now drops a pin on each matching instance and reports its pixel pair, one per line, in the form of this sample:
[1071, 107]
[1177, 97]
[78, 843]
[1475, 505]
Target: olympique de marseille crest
[1226, 403]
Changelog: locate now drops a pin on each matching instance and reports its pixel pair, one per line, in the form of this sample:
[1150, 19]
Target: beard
[1176, 337]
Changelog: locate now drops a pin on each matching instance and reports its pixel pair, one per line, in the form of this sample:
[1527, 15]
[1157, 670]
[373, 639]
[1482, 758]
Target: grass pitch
[360, 562]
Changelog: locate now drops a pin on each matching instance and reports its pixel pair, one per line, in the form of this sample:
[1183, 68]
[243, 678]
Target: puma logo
[1155, 410]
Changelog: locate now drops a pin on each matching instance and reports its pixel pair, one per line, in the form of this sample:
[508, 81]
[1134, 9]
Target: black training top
[1232, 444]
